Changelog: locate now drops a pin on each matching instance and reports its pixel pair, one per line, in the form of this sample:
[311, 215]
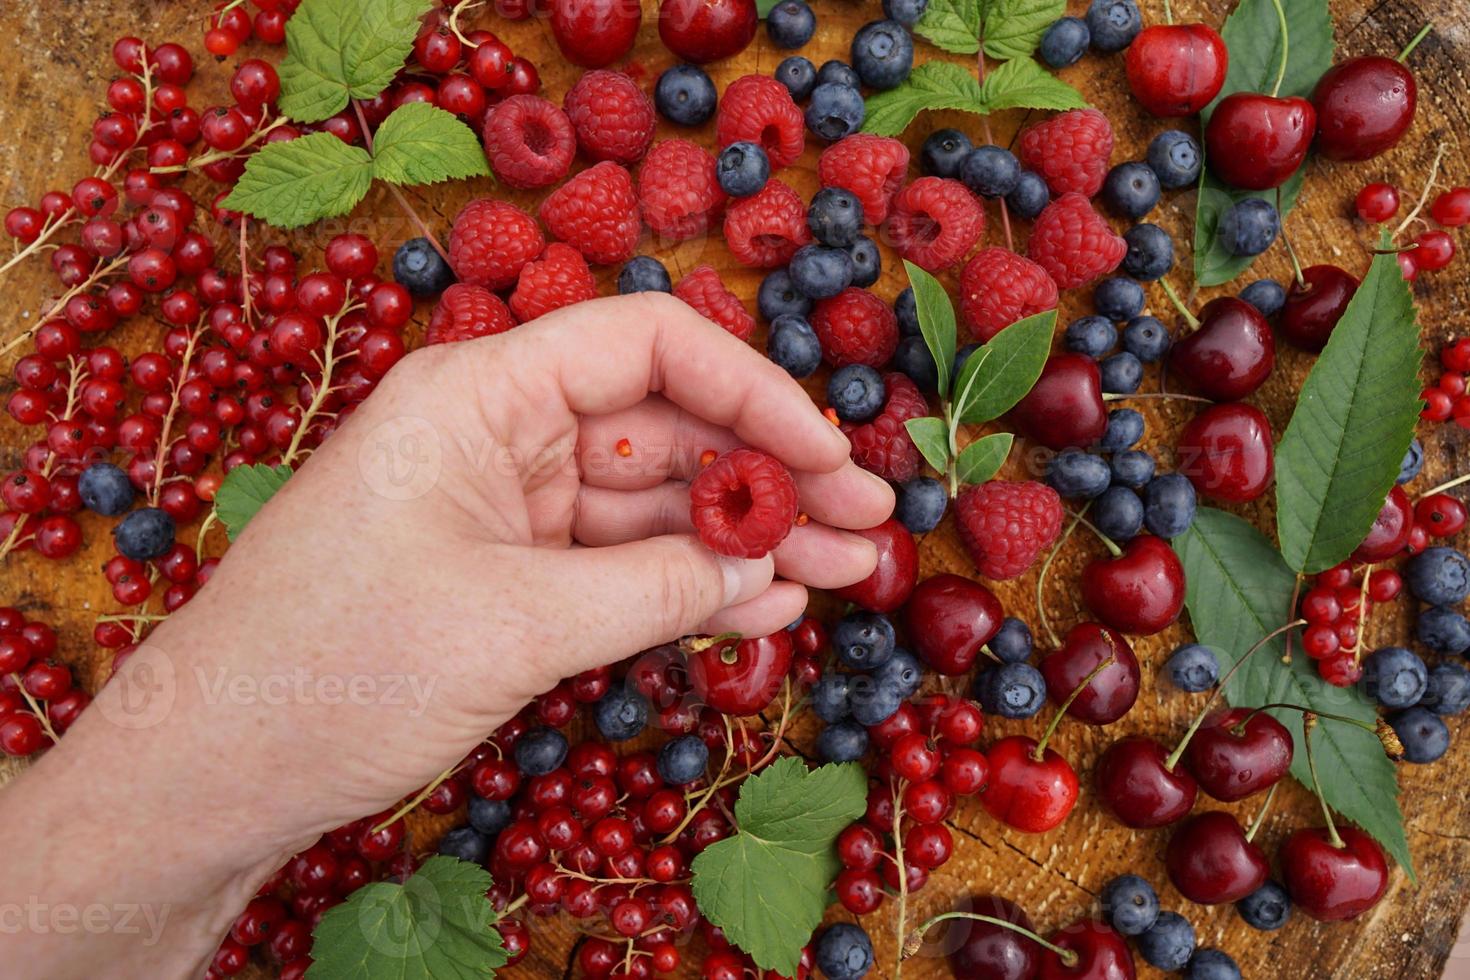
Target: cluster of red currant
[231, 25]
[37, 699]
[1447, 398]
[467, 72]
[1431, 250]
[1335, 607]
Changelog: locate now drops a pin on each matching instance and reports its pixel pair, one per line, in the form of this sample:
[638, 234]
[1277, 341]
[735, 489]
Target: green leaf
[936, 319]
[1238, 590]
[932, 439]
[303, 180]
[1024, 84]
[436, 925]
[932, 85]
[341, 49]
[422, 144]
[953, 25]
[768, 886]
[1017, 355]
[1352, 425]
[244, 490]
[763, 7]
[1013, 28]
[982, 459]
[1213, 262]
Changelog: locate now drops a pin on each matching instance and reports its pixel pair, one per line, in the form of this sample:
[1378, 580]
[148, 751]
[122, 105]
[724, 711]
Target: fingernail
[746, 578]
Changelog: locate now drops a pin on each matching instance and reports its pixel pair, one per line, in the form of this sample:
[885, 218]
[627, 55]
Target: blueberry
[1113, 24]
[792, 344]
[835, 111]
[1030, 196]
[1211, 964]
[1150, 253]
[863, 640]
[1129, 904]
[620, 714]
[906, 308]
[901, 673]
[1175, 159]
[1146, 338]
[856, 393]
[778, 296]
[540, 750]
[846, 741]
[1267, 295]
[1394, 677]
[1118, 298]
[644, 274]
[685, 95]
[844, 952]
[1125, 428]
[1168, 505]
[921, 504]
[1131, 190]
[791, 24]
[105, 489]
[1133, 468]
[836, 72]
[490, 817]
[1249, 227]
[419, 268]
[144, 534]
[867, 264]
[960, 357]
[682, 760]
[1065, 42]
[1076, 474]
[883, 54]
[990, 171]
[1423, 733]
[906, 12]
[831, 697]
[1443, 630]
[1090, 335]
[1118, 513]
[742, 169]
[872, 703]
[1012, 642]
[799, 76]
[1010, 690]
[835, 217]
[465, 843]
[913, 358]
[1267, 908]
[1169, 942]
[1413, 462]
[1448, 692]
[1121, 374]
[1439, 576]
[1194, 667]
[821, 271]
[943, 153]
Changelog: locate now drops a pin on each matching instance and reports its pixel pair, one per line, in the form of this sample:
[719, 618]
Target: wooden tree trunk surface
[52, 83]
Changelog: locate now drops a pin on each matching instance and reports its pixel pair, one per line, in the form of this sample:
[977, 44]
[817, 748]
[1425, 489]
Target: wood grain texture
[51, 87]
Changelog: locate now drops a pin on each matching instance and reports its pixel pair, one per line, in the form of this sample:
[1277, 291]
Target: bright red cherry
[949, 619]
[1226, 451]
[1364, 106]
[1028, 792]
[1098, 952]
[1230, 354]
[1390, 531]
[595, 33]
[1138, 592]
[706, 30]
[1065, 408]
[1314, 305]
[988, 951]
[893, 579]
[1133, 779]
[1210, 860]
[1254, 142]
[1112, 692]
[1176, 69]
[1233, 757]
[1330, 882]
[741, 678]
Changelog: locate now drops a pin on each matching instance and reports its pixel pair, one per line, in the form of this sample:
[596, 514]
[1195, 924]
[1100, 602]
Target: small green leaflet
[942, 85]
[341, 49]
[245, 490]
[768, 886]
[1024, 84]
[982, 459]
[423, 144]
[437, 925]
[1017, 355]
[931, 437]
[1213, 262]
[953, 25]
[303, 180]
[1353, 422]
[1011, 28]
[936, 319]
[1238, 590]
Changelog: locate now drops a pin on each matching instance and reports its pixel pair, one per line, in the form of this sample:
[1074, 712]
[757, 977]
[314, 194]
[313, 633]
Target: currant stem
[1250, 834]
[1285, 48]
[1189, 317]
[1424, 196]
[916, 938]
[97, 275]
[902, 865]
[714, 787]
[1457, 481]
[48, 229]
[1108, 542]
[454, 13]
[417, 798]
[323, 388]
[1039, 753]
[166, 427]
[1046, 566]
[1409, 48]
[1160, 395]
[1309, 723]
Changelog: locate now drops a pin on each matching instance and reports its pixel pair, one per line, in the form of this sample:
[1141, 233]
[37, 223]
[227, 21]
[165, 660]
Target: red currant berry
[1452, 208]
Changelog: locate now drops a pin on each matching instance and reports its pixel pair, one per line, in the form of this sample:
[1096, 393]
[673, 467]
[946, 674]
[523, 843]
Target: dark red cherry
[1226, 451]
[1176, 69]
[1230, 354]
[1101, 954]
[1132, 779]
[949, 619]
[1254, 141]
[1140, 591]
[1210, 861]
[1027, 793]
[1314, 305]
[741, 678]
[1232, 761]
[987, 951]
[1364, 106]
[1065, 408]
[1332, 883]
[893, 579]
[1109, 695]
[1390, 531]
[706, 30]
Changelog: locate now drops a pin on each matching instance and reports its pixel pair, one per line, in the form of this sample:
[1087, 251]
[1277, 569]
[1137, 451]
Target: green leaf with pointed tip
[932, 85]
[1016, 356]
[932, 440]
[303, 180]
[1024, 84]
[982, 459]
[1012, 28]
[244, 490]
[423, 144]
[936, 319]
[953, 25]
[338, 50]
[1214, 264]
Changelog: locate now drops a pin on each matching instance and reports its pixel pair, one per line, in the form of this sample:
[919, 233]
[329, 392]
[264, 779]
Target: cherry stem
[1189, 317]
[1239, 729]
[408, 211]
[1046, 566]
[1108, 542]
[1309, 723]
[1168, 13]
[1409, 48]
[1005, 216]
[1285, 48]
[1424, 195]
[1250, 835]
[1450, 485]
[1039, 753]
[1156, 395]
[916, 938]
[1296, 265]
[1296, 591]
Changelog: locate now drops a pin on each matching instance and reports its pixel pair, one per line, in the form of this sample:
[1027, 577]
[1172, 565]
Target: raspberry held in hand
[743, 504]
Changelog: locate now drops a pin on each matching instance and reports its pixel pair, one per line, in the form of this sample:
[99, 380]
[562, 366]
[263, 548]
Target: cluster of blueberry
[883, 676]
[1167, 940]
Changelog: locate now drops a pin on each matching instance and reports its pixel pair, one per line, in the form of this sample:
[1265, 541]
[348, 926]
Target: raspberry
[743, 504]
[596, 212]
[704, 290]
[1071, 151]
[883, 446]
[612, 117]
[872, 167]
[529, 141]
[491, 241]
[465, 312]
[678, 190]
[999, 287]
[935, 222]
[559, 278]
[766, 229]
[758, 109]
[1074, 243]
[1006, 525]
[856, 327]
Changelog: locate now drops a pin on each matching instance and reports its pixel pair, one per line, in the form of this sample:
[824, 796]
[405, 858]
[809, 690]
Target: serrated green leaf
[932, 85]
[932, 440]
[982, 459]
[953, 25]
[768, 886]
[1353, 423]
[244, 490]
[1016, 357]
[1024, 84]
[936, 319]
[423, 144]
[1237, 590]
[437, 925]
[342, 49]
[303, 180]
[1013, 28]
[1213, 262]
